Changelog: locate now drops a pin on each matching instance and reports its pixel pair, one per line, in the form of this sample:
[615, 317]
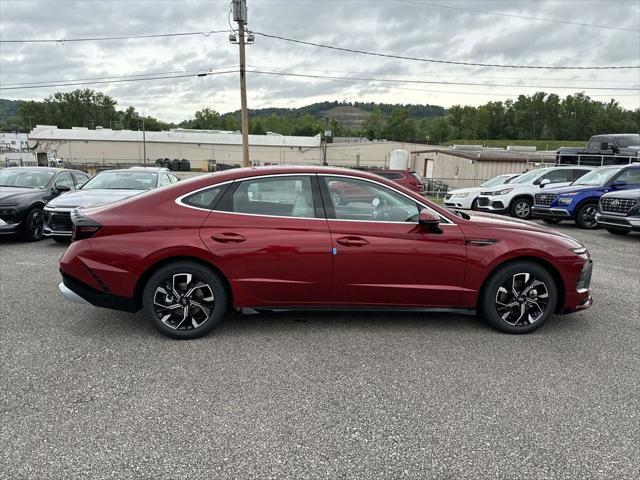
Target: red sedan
[273, 238]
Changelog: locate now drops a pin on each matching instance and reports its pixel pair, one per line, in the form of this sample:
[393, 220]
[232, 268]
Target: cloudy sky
[599, 33]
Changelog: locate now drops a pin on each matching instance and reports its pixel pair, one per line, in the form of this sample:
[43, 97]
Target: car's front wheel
[518, 297]
[185, 300]
[521, 208]
[586, 217]
[33, 229]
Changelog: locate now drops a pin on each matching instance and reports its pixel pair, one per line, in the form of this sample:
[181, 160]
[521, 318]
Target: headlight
[460, 195]
[565, 201]
[581, 250]
[503, 192]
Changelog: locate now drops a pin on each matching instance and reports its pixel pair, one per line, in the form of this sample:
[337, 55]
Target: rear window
[391, 175]
[205, 198]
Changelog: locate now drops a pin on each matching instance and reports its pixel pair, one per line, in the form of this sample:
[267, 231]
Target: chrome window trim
[179, 202]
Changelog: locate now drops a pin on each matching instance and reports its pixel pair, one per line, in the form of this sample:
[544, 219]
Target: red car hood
[489, 220]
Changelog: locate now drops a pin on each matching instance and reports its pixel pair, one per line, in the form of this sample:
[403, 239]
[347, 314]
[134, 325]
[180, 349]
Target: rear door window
[278, 196]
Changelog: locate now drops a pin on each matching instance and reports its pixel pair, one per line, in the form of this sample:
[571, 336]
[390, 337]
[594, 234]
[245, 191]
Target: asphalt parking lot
[92, 393]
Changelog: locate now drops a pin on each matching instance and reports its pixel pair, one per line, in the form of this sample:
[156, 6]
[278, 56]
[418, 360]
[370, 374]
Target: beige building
[104, 148]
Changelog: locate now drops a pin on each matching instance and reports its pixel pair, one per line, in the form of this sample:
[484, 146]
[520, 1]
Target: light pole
[240, 15]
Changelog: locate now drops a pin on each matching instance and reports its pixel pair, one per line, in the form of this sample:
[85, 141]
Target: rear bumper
[551, 212]
[79, 292]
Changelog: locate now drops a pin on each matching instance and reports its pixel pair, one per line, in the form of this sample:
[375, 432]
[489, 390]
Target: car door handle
[227, 237]
[352, 241]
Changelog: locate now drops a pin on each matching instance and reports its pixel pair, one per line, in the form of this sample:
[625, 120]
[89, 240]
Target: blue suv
[579, 201]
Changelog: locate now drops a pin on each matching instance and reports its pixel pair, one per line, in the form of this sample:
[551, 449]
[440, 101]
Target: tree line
[539, 116]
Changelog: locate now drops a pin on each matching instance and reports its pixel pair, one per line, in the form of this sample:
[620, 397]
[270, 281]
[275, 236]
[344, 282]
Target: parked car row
[38, 201]
[591, 197]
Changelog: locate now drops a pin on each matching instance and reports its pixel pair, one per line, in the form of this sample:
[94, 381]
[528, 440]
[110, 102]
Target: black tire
[62, 240]
[187, 287]
[523, 313]
[474, 204]
[618, 231]
[33, 228]
[553, 221]
[521, 208]
[586, 216]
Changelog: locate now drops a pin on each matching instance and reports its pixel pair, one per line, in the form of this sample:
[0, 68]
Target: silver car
[106, 187]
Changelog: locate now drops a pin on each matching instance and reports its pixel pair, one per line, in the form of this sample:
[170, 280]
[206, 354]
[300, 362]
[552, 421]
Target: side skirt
[373, 309]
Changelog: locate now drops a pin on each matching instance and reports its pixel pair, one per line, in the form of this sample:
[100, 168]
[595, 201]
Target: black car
[619, 212]
[23, 193]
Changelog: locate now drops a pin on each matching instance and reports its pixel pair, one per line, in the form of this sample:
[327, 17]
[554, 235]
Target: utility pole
[240, 16]
[144, 143]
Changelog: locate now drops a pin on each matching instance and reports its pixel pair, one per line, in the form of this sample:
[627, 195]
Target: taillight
[83, 226]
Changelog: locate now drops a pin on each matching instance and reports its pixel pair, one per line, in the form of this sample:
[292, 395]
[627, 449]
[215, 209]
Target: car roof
[45, 169]
[131, 170]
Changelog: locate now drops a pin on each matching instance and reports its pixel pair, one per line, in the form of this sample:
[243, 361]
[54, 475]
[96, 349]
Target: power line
[100, 39]
[422, 75]
[512, 15]
[123, 80]
[117, 77]
[431, 60]
[434, 82]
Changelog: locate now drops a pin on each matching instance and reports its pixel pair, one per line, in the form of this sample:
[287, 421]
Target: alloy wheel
[522, 300]
[183, 301]
[36, 225]
[588, 216]
[522, 209]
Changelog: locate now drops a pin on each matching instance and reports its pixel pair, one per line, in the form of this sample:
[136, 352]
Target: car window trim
[237, 181]
[442, 217]
[179, 202]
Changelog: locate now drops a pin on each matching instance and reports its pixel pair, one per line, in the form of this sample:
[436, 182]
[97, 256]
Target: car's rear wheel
[185, 300]
[586, 217]
[618, 231]
[33, 229]
[518, 297]
[552, 221]
[521, 208]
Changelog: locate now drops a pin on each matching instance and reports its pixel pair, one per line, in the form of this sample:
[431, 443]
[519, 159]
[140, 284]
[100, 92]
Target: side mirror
[544, 182]
[619, 184]
[62, 188]
[429, 220]
[607, 146]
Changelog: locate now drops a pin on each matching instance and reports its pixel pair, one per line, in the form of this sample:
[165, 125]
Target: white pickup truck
[516, 197]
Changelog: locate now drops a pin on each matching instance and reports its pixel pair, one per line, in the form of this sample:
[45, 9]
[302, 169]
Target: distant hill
[318, 110]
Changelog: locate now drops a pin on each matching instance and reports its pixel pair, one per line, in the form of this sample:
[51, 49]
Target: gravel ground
[91, 393]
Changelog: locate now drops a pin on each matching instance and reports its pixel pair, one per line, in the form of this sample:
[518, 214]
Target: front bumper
[496, 204]
[618, 221]
[464, 203]
[548, 212]
[57, 222]
[9, 228]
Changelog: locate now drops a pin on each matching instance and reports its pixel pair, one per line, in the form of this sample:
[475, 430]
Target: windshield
[25, 178]
[529, 177]
[122, 181]
[628, 140]
[499, 180]
[597, 178]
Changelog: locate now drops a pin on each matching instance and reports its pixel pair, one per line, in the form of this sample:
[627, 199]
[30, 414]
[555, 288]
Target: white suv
[516, 198]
